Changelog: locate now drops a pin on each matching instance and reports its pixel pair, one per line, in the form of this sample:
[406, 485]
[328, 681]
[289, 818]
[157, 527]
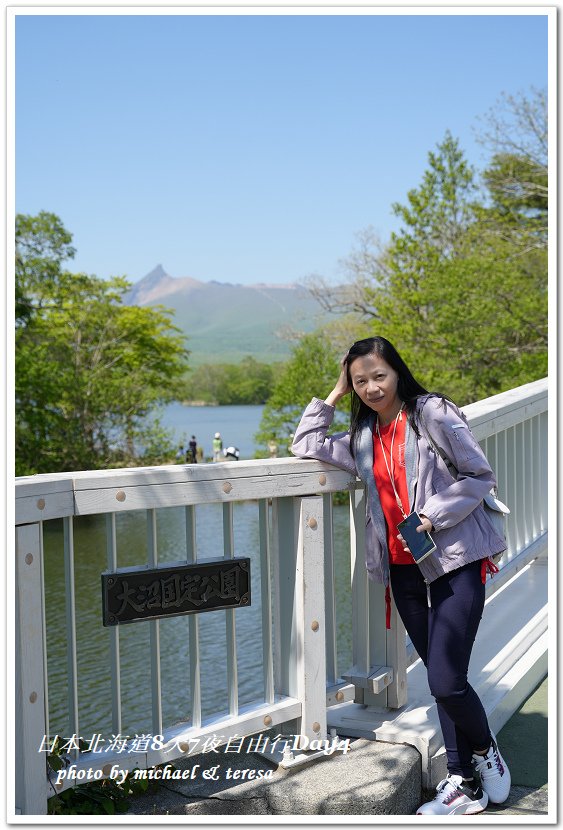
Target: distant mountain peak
[158, 284]
[152, 284]
[228, 321]
[156, 275]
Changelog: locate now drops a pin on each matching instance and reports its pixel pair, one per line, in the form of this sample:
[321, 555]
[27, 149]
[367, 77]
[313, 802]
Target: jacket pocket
[465, 442]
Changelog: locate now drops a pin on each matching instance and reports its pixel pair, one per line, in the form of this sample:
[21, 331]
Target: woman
[395, 426]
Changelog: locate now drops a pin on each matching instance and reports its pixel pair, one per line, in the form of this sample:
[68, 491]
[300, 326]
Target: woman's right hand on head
[342, 386]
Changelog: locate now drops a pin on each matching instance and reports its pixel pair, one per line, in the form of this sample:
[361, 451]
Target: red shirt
[391, 511]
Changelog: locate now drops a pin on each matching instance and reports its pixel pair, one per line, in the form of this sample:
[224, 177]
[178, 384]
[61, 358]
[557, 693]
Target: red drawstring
[387, 607]
[487, 566]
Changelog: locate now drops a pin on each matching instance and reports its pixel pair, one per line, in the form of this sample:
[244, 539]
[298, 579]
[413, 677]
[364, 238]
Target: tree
[252, 381]
[512, 230]
[517, 175]
[463, 303]
[223, 384]
[516, 133]
[431, 302]
[89, 369]
[519, 192]
[461, 288]
[363, 271]
[42, 245]
[311, 371]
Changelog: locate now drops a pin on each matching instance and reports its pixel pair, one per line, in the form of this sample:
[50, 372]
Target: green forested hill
[226, 322]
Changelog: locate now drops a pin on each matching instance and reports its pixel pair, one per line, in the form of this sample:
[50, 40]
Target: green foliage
[311, 371]
[437, 213]
[463, 294]
[518, 189]
[89, 370]
[247, 382]
[516, 134]
[42, 245]
[104, 797]
[461, 289]
[101, 797]
[425, 289]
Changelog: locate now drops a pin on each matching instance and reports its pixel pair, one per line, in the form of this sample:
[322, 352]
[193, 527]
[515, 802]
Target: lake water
[93, 640]
[237, 425]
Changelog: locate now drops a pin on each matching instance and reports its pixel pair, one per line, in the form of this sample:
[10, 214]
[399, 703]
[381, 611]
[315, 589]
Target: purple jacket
[462, 532]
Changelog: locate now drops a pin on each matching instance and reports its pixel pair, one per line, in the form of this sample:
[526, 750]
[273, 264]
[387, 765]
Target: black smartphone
[420, 545]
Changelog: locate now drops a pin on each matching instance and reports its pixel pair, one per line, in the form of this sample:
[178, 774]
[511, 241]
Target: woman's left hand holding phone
[426, 524]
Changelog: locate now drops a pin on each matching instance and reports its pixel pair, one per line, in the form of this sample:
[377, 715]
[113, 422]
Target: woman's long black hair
[408, 388]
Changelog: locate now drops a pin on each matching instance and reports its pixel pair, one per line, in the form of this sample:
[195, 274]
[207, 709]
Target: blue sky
[248, 148]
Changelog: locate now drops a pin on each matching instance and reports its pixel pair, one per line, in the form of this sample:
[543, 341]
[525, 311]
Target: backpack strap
[492, 506]
[491, 500]
[452, 469]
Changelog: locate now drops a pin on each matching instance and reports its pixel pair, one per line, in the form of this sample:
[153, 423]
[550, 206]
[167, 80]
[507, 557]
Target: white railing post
[284, 549]
[310, 606]
[115, 666]
[330, 592]
[360, 604]
[266, 600]
[154, 630]
[30, 765]
[193, 623]
[371, 673]
[300, 661]
[230, 619]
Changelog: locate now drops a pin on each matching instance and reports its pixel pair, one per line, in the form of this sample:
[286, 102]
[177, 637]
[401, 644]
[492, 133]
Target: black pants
[443, 636]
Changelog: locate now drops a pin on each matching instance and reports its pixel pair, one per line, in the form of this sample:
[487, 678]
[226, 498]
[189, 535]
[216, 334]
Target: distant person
[217, 447]
[273, 447]
[231, 453]
[191, 455]
[180, 454]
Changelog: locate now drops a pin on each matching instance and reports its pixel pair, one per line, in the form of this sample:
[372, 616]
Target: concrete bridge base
[373, 778]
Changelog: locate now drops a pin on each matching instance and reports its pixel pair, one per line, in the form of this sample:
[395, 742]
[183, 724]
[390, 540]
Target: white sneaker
[455, 797]
[494, 773]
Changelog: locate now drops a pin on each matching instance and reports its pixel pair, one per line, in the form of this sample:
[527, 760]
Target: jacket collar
[364, 456]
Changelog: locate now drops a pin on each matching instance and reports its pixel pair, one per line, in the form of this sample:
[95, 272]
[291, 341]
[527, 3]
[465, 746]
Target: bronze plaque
[129, 595]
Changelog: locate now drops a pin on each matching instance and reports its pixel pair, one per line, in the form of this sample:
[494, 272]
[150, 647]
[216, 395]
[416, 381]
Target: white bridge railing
[295, 559]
